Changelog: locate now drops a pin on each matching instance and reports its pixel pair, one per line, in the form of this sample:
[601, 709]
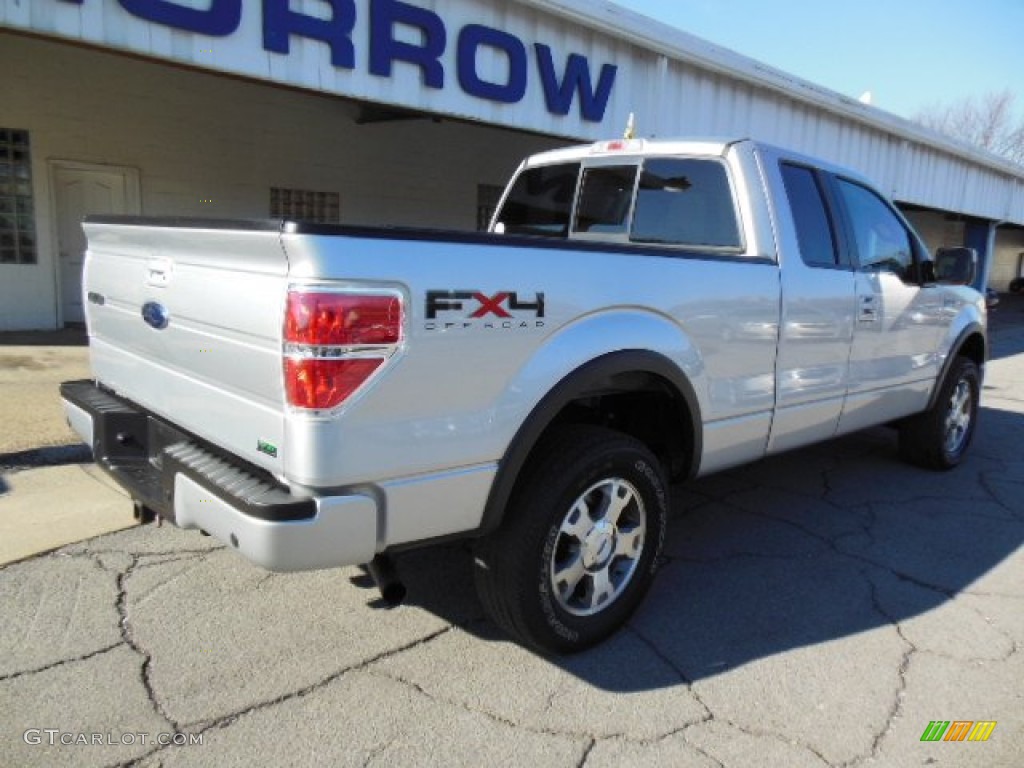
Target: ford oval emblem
[155, 315]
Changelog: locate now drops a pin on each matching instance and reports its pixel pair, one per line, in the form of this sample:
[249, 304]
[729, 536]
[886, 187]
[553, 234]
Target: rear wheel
[939, 437]
[579, 544]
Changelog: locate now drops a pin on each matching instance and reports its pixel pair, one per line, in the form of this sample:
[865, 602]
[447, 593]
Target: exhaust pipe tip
[382, 571]
[144, 514]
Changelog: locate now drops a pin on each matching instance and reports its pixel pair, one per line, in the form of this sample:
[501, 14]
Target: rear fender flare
[586, 378]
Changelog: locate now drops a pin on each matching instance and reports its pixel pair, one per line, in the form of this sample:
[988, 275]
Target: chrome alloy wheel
[958, 417]
[598, 547]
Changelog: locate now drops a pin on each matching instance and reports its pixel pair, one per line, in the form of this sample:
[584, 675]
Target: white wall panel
[676, 84]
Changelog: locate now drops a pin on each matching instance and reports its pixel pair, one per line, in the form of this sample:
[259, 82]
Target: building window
[305, 205]
[17, 221]
[487, 197]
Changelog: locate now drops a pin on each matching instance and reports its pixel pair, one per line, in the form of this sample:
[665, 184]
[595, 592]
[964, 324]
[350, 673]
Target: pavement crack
[910, 579]
[226, 720]
[1002, 595]
[761, 734]
[379, 751]
[736, 556]
[264, 580]
[702, 752]
[807, 531]
[202, 727]
[148, 560]
[499, 719]
[143, 597]
[61, 662]
[549, 705]
[901, 687]
[507, 722]
[833, 545]
[685, 679]
[145, 671]
[993, 496]
[1014, 645]
[586, 753]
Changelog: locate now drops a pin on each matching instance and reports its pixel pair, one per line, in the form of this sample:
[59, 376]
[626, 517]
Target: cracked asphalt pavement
[820, 608]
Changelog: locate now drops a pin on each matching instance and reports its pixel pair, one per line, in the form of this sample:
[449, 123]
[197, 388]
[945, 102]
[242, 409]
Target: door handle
[868, 312]
[158, 272]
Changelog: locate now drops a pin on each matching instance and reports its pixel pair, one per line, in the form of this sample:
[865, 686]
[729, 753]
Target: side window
[685, 202]
[540, 201]
[882, 241]
[605, 195]
[814, 232]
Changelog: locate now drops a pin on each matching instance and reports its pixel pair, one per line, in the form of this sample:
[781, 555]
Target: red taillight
[323, 384]
[337, 319]
[335, 342]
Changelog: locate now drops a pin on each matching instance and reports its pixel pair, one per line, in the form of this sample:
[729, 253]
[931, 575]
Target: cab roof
[639, 147]
[693, 147]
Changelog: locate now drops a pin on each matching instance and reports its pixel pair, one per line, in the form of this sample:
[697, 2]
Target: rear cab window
[815, 230]
[606, 196]
[660, 201]
[540, 201]
[685, 202]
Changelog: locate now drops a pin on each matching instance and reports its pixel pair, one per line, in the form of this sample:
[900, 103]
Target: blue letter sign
[385, 49]
[577, 79]
[403, 32]
[280, 22]
[221, 20]
[470, 39]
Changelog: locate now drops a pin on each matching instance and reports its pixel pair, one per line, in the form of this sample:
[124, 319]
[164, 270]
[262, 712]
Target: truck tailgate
[186, 320]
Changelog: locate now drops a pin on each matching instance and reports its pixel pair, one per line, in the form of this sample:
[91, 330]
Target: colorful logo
[958, 730]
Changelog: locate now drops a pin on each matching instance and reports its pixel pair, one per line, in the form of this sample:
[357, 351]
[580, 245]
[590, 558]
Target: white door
[80, 190]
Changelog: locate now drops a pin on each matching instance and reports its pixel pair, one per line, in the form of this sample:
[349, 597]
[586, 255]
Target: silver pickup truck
[640, 311]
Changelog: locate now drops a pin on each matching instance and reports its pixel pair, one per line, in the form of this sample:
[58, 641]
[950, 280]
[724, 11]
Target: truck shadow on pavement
[65, 337]
[839, 547]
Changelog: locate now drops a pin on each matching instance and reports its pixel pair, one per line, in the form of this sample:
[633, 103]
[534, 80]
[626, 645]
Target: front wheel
[578, 547]
[939, 437]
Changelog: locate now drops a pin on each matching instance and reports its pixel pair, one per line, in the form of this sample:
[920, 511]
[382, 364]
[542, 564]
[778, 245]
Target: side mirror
[956, 266]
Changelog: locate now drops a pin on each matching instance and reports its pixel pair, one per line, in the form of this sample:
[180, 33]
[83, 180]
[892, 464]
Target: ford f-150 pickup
[640, 311]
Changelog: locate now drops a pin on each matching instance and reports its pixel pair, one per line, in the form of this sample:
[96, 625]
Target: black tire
[540, 578]
[939, 437]
[1017, 285]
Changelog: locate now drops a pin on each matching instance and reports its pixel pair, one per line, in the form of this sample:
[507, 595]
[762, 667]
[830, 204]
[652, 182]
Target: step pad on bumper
[144, 454]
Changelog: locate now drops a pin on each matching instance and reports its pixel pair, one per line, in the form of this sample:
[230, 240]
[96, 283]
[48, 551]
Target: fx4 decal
[445, 310]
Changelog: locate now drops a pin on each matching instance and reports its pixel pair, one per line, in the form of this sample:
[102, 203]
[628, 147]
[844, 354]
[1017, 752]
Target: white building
[406, 112]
